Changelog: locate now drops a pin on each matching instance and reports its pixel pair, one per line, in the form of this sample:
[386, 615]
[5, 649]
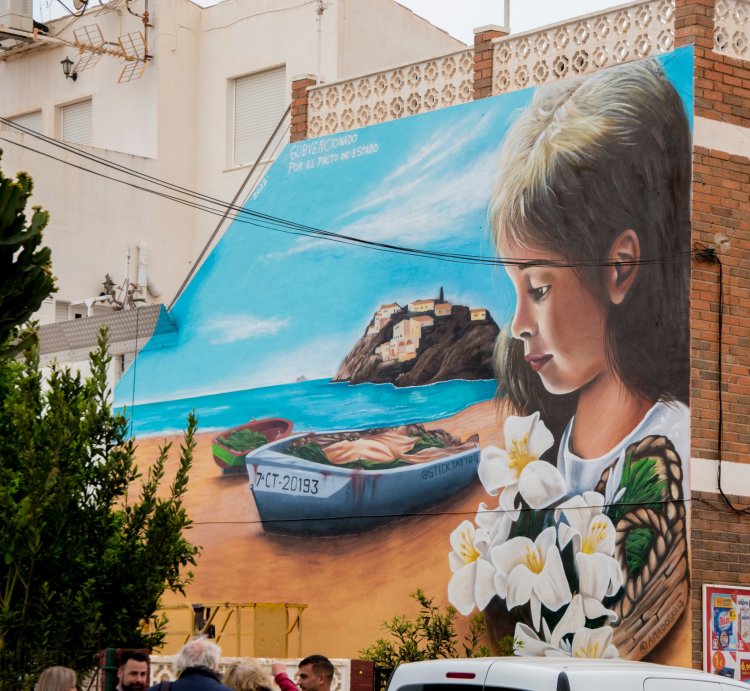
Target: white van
[552, 674]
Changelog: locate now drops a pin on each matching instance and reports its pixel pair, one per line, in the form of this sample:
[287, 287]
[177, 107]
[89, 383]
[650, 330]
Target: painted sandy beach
[242, 563]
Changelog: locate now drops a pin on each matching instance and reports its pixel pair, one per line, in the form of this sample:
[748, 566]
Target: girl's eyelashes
[538, 293]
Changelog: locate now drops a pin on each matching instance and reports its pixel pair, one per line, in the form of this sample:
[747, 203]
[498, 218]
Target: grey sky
[460, 17]
[457, 17]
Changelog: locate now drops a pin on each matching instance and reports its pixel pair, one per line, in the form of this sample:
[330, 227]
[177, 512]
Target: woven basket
[655, 598]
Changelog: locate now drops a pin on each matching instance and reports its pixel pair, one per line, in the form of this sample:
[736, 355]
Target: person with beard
[196, 668]
[132, 674]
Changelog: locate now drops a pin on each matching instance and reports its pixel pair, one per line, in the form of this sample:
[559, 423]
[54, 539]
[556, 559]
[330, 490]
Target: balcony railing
[580, 46]
[406, 90]
[731, 28]
[585, 44]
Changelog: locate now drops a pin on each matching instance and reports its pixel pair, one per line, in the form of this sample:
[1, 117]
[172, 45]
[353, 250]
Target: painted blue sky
[268, 306]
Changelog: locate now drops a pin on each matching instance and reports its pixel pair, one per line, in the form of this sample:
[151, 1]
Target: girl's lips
[536, 362]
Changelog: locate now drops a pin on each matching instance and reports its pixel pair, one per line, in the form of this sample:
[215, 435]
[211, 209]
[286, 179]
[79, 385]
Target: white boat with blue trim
[332, 483]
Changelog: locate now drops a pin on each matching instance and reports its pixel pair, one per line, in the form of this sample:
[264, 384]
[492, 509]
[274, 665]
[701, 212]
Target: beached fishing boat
[231, 446]
[344, 482]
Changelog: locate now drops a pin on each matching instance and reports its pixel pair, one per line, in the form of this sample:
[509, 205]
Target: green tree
[430, 636]
[25, 267]
[84, 564]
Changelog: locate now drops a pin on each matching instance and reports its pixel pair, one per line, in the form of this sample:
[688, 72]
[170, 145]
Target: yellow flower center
[534, 559]
[519, 454]
[590, 651]
[469, 553]
[597, 534]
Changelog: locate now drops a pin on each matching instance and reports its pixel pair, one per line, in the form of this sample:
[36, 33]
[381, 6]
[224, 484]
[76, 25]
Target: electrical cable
[232, 204]
[410, 514]
[707, 255]
[311, 230]
[291, 228]
[282, 225]
[70, 12]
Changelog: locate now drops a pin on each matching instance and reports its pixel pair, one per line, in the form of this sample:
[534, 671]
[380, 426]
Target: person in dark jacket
[196, 668]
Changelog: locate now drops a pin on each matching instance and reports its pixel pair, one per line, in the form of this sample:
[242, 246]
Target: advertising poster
[726, 627]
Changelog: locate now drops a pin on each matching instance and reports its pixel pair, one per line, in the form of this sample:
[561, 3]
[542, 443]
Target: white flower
[574, 618]
[593, 643]
[472, 583]
[531, 572]
[533, 646]
[593, 536]
[589, 643]
[517, 468]
[496, 523]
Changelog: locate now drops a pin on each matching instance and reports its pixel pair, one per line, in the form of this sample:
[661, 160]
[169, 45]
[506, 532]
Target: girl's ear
[623, 257]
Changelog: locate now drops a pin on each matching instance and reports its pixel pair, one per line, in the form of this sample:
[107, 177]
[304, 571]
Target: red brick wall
[483, 61]
[299, 108]
[722, 84]
[720, 552]
[721, 192]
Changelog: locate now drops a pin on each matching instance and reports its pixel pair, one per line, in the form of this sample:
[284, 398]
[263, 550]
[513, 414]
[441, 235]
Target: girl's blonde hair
[248, 675]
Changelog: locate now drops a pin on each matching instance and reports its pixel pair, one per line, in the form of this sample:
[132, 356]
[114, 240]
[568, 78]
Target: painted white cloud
[229, 328]
[444, 145]
[423, 212]
[427, 198]
[438, 212]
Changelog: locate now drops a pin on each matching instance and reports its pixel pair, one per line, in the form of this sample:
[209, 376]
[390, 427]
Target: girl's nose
[521, 326]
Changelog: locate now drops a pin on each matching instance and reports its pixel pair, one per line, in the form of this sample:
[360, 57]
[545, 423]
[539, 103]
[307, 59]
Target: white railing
[391, 94]
[161, 669]
[579, 46]
[582, 45]
[731, 28]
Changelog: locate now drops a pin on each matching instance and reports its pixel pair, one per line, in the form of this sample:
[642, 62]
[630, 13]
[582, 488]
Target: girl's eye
[538, 293]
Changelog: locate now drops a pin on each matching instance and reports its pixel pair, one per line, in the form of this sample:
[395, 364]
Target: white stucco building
[198, 117]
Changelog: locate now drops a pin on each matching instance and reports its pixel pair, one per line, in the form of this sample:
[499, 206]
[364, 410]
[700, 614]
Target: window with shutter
[259, 103]
[32, 120]
[76, 122]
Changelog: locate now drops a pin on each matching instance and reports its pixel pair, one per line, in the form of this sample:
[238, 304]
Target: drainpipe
[322, 7]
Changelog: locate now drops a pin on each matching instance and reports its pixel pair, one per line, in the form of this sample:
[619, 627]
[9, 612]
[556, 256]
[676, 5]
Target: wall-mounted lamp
[67, 66]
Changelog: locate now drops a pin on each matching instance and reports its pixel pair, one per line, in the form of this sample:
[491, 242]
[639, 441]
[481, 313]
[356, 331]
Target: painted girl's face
[561, 324]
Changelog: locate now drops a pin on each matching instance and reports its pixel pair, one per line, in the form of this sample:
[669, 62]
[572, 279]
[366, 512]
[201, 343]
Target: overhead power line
[217, 207]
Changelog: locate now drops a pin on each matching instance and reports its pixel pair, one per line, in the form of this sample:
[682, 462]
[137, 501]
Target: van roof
[440, 671]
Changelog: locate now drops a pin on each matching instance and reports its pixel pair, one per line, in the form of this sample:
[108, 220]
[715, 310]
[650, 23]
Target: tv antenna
[130, 47]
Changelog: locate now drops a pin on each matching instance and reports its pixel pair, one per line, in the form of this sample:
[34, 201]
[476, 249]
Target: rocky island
[424, 342]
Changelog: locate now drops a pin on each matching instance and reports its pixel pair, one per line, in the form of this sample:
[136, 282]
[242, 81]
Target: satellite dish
[80, 4]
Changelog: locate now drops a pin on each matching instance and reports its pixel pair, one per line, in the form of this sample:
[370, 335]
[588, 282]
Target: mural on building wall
[467, 328]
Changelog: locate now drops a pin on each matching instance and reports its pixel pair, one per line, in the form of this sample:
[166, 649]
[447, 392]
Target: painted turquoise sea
[314, 405]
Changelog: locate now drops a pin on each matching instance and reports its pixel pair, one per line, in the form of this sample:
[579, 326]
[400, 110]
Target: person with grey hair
[196, 668]
[56, 679]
